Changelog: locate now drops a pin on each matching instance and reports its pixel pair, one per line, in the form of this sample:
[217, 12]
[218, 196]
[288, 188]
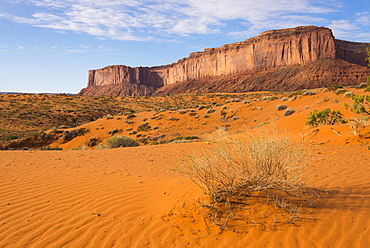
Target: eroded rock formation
[288, 59]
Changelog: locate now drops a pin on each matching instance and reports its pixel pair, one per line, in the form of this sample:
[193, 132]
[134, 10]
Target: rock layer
[274, 60]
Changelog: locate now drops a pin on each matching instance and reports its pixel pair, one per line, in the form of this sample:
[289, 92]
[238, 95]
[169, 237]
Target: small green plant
[325, 117]
[263, 124]
[176, 139]
[121, 141]
[361, 104]
[11, 137]
[296, 93]
[368, 85]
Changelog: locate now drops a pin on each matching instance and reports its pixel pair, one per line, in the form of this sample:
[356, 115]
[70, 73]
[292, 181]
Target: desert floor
[129, 197]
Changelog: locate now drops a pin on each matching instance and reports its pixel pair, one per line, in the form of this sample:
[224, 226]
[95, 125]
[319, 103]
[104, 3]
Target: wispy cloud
[3, 49]
[164, 19]
[363, 18]
[353, 28]
[69, 50]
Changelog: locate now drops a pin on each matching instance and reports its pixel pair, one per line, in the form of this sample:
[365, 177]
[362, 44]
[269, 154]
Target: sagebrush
[121, 141]
[240, 170]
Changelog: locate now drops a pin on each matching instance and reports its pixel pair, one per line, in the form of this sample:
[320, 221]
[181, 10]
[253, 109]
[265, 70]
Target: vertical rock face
[352, 52]
[120, 74]
[272, 49]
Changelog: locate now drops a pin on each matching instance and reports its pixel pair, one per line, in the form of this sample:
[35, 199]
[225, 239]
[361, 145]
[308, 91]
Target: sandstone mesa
[277, 60]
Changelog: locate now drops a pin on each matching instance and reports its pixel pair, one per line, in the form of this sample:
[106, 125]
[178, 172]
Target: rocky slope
[287, 59]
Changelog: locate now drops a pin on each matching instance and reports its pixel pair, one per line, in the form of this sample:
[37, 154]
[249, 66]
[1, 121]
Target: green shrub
[348, 94]
[121, 141]
[340, 91]
[368, 86]
[143, 140]
[295, 93]
[361, 104]
[325, 117]
[191, 137]
[308, 93]
[176, 139]
[48, 148]
[335, 87]
[11, 137]
[69, 135]
[362, 86]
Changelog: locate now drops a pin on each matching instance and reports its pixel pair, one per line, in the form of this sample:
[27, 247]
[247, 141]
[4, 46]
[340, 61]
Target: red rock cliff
[272, 49]
[298, 46]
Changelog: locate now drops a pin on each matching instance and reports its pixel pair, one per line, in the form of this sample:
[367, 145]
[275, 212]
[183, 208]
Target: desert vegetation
[239, 181]
[121, 141]
[360, 105]
[161, 120]
[259, 169]
[324, 117]
[24, 115]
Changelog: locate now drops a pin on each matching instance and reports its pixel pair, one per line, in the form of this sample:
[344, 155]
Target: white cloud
[3, 48]
[344, 25]
[75, 51]
[149, 19]
[20, 47]
[363, 18]
[352, 29]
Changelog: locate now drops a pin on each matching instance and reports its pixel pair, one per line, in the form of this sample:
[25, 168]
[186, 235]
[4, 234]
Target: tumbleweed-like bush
[239, 171]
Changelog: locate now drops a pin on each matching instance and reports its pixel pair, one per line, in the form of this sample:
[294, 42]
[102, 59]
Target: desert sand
[129, 197]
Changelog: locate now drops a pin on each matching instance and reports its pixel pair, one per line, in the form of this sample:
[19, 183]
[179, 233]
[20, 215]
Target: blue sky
[49, 45]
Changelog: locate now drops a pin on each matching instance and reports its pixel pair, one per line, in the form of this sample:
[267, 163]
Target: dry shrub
[259, 169]
[288, 112]
[358, 124]
[121, 141]
[281, 107]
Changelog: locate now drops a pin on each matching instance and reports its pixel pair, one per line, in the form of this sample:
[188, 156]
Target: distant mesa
[44, 93]
[277, 60]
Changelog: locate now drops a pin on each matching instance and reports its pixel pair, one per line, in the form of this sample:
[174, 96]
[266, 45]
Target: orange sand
[124, 197]
[128, 197]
